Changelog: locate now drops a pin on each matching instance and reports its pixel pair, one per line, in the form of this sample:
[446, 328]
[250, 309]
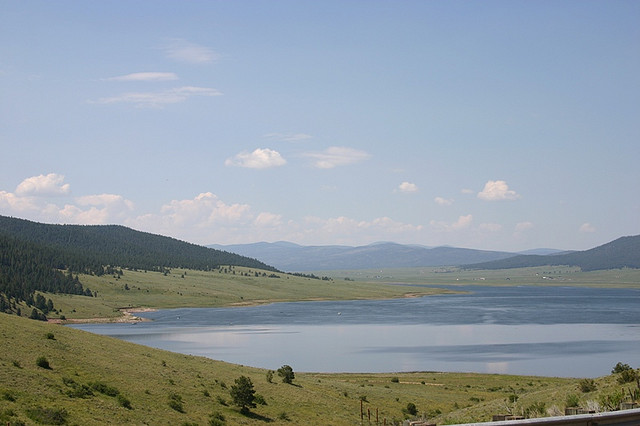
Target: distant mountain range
[293, 257]
[621, 253]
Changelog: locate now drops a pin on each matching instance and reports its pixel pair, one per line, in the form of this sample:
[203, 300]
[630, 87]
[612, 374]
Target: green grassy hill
[158, 387]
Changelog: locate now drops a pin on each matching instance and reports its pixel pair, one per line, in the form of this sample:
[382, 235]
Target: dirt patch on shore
[128, 316]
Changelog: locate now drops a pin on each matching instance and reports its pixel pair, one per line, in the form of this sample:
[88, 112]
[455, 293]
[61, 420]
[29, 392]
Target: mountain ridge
[294, 257]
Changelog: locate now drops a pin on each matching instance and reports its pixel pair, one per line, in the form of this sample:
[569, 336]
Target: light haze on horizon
[501, 125]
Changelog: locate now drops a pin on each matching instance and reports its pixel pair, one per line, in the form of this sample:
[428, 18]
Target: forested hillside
[621, 253]
[123, 247]
[33, 256]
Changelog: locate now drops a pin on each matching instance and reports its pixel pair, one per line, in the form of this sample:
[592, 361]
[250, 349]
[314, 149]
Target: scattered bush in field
[103, 388]
[287, 374]
[217, 419]
[283, 416]
[16, 363]
[587, 385]
[259, 399]
[123, 401]
[411, 409]
[395, 380]
[611, 401]
[206, 393]
[51, 336]
[48, 416]
[221, 400]
[573, 400]
[628, 376]
[269, 376]
[42, 362]
[175, 402]
[8, 396]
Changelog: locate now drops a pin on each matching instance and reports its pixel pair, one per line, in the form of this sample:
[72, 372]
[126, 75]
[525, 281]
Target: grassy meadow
[95, 379]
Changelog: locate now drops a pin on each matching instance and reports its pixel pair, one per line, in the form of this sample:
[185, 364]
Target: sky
[498, 125]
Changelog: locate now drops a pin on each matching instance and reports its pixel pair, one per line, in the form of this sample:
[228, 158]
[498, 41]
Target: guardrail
[610, 418]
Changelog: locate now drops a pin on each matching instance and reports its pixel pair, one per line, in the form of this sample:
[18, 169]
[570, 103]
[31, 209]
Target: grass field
[150, 379]
[543, 275]
[227, 287]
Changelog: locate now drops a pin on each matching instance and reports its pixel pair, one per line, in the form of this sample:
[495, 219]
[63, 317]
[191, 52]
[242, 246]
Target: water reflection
[577, 332]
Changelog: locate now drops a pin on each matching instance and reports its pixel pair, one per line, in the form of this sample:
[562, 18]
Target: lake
[547, 331]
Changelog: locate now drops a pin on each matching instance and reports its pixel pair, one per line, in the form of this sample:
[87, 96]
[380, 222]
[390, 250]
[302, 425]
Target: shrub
[43, 362]
[8, 396]
[48, 416]
[259, 399]
[269, 376]
[620, 367]
[283, 416]
[123, 401]
[217, 419]
[587, 385]
[175, 402]
[104, 388]
[287, 374]
[573, 400]
[51, 336]
[395, 380]
[627, 376]
[412, 409]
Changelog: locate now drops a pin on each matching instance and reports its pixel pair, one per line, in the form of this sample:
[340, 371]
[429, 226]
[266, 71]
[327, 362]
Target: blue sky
[503, 125]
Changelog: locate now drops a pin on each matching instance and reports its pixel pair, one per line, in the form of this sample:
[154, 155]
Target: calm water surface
[550, 331]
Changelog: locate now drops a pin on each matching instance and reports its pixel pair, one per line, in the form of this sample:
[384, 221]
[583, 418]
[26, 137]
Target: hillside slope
[292, 257]
[623, 252]
[121, 246]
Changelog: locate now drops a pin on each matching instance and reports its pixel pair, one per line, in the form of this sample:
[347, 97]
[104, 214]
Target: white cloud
[467, 191]
[258, 159]
[587, 228]
[497, 190]
[407, 187]
[184, 51]
[145, 76]
[337, 156]
[159, 99]
[443, 201]
[462, 223]
[288, 137]
[43, 185]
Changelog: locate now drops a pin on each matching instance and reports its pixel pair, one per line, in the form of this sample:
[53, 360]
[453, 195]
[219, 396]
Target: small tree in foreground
[286, 372]
[243, 394]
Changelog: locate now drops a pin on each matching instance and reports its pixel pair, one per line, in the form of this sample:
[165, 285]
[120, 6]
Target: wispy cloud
[261, 158]
[145, 76]
[337, 156]
[495, 190]
[443, 201]
[183, 51]
[43, 185]
[287, 137]
[159, 99]
[408, 187]
[462, 223]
